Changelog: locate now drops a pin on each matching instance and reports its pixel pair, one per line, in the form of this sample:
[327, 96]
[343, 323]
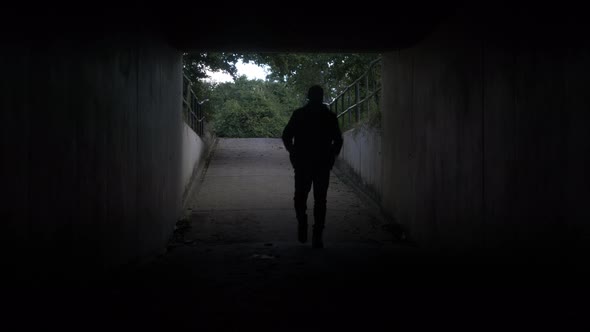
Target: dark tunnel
[482, 156]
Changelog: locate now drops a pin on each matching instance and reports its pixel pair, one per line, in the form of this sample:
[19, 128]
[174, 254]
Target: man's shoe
[302, 232]
[302, 228]
[316, 240]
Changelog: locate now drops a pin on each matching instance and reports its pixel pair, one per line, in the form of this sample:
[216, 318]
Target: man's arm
[336, 137]
[289, 133]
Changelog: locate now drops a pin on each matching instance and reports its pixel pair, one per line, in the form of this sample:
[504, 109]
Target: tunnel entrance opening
[253, 94]
[246, 193]
[238, 235]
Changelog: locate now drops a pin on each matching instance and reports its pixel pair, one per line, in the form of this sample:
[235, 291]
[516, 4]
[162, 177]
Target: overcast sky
[251, 71]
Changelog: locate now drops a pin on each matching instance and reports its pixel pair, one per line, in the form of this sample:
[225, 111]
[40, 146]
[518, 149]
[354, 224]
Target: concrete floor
[235, 265]
[246, 196]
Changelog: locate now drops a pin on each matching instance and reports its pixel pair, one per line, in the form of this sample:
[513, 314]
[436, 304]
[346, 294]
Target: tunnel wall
[361, 158]
[193, 152]
[485, 140]
[92, 136]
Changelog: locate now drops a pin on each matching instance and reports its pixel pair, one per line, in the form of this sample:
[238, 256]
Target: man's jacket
[313, 137]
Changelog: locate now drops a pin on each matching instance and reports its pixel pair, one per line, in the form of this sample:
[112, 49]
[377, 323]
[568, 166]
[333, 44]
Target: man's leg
[302, 187]
[321, 181]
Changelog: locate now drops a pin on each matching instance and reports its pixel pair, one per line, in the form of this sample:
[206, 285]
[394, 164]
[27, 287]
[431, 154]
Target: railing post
[202, 122]
[189, 99]
[199, 112]
[343, 108]
[345, 98]
[348, 110]
[356, 101]
[193, 112]
[198, 116]
[367, 92]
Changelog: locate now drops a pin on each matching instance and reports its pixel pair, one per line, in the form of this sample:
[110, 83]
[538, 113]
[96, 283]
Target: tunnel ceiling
[288, 26]
[299, 30]
[245, 26]
[361, 26]
[292, 27]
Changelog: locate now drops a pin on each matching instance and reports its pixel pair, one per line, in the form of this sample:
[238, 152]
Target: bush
[251, 108]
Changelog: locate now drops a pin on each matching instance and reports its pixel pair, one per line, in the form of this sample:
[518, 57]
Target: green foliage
[257, 108]
[369, 115]
[196, 64]
[333, 71]
[251, 108]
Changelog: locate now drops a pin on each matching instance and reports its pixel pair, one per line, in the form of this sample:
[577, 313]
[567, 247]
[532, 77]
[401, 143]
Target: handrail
[359, 103]
[192, 108]
[371, 65]
[364, 88]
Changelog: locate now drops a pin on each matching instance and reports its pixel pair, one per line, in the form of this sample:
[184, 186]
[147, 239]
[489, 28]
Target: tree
[333, 71]
[300, 71]
[196, 64]
[262, 108]
[251, 108]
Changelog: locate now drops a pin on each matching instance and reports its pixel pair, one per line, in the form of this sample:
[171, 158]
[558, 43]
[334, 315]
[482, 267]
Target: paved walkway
[235, 265]
[246, 196]
[236, 260]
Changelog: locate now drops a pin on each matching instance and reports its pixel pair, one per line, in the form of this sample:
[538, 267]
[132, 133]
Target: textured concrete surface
[234, 264]
[483, 139]
[361, 155]
[92, 169]
[247, 196]
[193, 153]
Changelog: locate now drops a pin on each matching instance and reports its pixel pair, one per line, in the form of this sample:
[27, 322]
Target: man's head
[315, 94]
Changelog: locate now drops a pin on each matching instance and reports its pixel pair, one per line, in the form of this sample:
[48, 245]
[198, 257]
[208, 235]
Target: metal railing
[192, 108]
[359, 98]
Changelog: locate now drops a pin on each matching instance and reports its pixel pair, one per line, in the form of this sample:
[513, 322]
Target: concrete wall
[91, 158]
[485, 140]
[193, 152]
[361, 157]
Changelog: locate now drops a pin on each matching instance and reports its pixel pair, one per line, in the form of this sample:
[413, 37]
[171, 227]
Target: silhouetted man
[313, 139]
